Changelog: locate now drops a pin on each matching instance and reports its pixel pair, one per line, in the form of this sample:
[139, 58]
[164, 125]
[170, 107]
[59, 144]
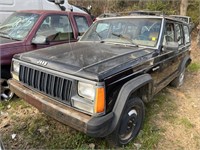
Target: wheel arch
[186, 61]
[135, 86]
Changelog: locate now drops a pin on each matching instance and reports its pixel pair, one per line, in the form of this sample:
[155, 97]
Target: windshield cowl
[117, 43]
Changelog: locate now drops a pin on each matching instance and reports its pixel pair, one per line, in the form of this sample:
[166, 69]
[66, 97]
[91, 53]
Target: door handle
[156, 68]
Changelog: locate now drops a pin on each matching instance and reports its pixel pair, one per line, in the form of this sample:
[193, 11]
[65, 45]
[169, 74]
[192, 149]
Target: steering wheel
[168, 38]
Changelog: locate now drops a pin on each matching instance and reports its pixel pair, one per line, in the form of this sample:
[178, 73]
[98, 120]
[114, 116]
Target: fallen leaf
[92, 145]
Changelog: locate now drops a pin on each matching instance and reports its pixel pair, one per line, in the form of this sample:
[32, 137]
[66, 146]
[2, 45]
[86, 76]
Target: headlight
[93, 100]
[86, 90]
[16, 67]
[15, 70]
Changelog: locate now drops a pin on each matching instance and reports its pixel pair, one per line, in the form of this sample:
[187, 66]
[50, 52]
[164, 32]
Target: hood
[8, 48]
[6, 40]
[85, 59]
[9, 43]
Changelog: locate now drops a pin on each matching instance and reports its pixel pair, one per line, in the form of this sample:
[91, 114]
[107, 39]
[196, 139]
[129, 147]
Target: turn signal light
[99, 100]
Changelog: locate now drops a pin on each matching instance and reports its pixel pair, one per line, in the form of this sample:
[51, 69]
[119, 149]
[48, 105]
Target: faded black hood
[85, 59]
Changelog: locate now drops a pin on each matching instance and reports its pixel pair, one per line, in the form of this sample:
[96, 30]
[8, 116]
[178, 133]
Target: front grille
[52, 85]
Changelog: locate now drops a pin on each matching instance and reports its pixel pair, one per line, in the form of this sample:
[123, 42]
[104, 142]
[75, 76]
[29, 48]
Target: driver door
[168, 60]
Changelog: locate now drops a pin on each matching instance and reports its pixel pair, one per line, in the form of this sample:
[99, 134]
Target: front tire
[130, 123]
[6, 93]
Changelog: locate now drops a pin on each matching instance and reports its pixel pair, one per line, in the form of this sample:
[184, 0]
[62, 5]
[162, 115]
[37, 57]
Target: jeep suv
[99, 85]
[30, 30]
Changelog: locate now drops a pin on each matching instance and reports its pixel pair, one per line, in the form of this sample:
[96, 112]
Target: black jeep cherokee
[99, 85]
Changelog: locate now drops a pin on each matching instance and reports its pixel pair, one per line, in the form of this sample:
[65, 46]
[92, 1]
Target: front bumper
[92, 126]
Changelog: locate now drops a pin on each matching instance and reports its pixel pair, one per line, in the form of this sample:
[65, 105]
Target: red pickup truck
[29, 30]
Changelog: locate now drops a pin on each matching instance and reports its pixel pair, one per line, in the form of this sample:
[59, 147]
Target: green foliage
[15, 102]
[159, 5]
[3, 105]
[194, 11]
[186, 123]
[167, 7]
[194, 67]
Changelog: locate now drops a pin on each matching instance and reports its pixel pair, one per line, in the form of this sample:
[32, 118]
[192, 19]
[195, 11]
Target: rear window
[82, 24]
[187, 34]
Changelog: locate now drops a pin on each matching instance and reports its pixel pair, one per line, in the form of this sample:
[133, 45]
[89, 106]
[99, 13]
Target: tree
[183, 7]
[198, 35]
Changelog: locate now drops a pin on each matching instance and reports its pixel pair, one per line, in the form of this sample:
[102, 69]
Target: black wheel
[6, 93]
[130, 123]
[178, 81]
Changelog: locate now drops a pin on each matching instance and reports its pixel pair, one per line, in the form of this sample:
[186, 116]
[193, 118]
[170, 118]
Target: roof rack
[146, 12]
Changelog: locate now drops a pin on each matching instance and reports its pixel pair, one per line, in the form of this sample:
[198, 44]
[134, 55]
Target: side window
[187, 34]
[56, 28]
[82, 24]
[179, 34]
[169, 32]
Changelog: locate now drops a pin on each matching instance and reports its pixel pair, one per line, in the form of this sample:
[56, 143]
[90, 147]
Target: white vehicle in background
[7, 7]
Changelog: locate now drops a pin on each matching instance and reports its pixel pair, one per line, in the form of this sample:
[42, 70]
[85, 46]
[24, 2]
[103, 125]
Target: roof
[48, 11]
[180, 16]
[144, 16]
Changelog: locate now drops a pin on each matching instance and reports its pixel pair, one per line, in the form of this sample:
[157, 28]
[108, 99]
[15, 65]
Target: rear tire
[178, 81]
[130, 123]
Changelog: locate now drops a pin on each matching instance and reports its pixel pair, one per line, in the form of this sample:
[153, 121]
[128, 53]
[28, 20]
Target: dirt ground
[184, 132]
[180, 132]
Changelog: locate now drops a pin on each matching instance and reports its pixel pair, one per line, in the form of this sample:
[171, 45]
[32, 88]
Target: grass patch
[194, 67]
[161, 108]
[14, 103]
[42, 132]
[164, 105]
[186, 122]
[148, 137]
[3, 105]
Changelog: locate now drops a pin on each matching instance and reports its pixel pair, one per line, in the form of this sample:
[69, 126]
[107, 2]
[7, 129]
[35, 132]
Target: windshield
[136, 31]
[18, 25]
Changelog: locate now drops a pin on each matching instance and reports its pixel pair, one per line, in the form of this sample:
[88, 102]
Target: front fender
[127, 89]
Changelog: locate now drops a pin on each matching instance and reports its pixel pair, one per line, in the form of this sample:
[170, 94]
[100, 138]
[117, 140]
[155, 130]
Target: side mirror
[170, 46]
[57, 1]
[39, 39]
[79, 37]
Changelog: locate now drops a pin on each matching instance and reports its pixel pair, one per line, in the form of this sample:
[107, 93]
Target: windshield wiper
[100, 37]
[126, 38]
[6, 35]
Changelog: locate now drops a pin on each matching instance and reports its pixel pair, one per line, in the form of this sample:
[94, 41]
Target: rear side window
[179, 34]
[82, 24]
[56, 28]
[187, 34]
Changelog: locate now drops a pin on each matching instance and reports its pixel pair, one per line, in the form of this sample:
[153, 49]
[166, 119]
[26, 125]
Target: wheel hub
[6, 93]
[181, 78]
[129, 124]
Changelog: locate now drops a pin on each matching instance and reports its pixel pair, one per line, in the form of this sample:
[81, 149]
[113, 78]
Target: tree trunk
[183, 7]
[198, 35]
